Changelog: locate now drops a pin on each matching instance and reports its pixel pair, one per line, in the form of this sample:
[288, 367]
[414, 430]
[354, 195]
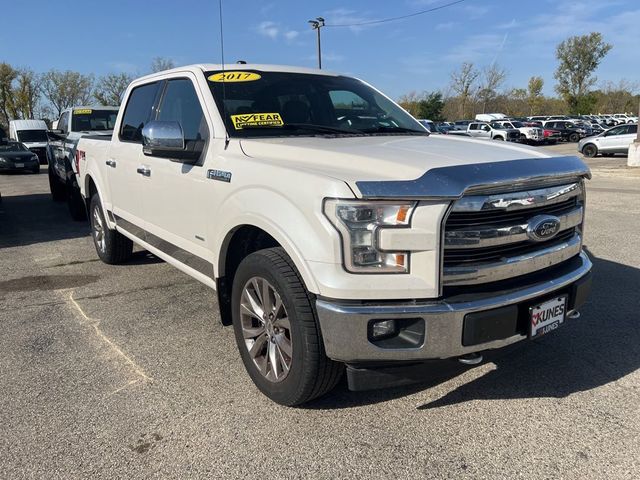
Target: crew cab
[73, 124]
[335, 229]
[528, 133]
[569, 131]
[492, 132]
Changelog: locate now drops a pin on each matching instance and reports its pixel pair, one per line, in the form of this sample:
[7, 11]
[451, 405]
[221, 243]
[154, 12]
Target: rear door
[178, 192]
[127, 181]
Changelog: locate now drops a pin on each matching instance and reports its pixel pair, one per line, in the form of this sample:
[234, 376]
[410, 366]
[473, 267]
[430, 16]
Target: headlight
[359, 223]
[35, 158]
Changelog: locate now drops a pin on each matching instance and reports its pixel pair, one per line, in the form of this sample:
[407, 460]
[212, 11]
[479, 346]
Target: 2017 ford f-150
[333, 227]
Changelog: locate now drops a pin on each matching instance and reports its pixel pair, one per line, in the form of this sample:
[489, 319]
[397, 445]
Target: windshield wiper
[305, 126]
[383, 129]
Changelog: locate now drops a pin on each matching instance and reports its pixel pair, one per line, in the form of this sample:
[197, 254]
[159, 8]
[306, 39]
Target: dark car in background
[569, 131]
[461, 125]
[15, 157]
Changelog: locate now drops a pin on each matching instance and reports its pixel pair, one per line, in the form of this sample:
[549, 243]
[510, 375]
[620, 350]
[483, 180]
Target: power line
[393, 19]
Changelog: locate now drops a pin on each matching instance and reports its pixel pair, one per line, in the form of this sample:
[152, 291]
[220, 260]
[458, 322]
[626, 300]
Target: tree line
[473, 89]
[27, 94]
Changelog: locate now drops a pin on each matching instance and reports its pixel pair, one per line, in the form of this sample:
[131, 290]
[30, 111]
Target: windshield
[282, 104]
[12, 147]
[90, 120]
[32, 135]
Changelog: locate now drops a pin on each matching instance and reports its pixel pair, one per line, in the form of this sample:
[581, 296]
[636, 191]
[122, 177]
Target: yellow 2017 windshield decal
[234, 77]
[83, 111]
[256, 120]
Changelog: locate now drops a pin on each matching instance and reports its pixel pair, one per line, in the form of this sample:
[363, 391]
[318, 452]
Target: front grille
[497, 217]
[489, 238]
[462, 256]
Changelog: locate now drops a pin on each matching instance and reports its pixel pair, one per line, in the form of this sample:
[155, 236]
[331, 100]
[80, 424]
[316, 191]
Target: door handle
[144, 171]
[111, 163]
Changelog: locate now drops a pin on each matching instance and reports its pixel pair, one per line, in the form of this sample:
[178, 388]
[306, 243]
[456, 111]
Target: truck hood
[384, 158]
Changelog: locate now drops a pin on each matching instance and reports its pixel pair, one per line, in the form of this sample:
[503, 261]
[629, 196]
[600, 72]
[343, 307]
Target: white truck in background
[73, 124]
[33, 135]
[335, 230]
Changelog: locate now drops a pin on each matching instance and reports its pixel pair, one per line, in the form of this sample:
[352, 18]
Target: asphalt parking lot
[125, 371]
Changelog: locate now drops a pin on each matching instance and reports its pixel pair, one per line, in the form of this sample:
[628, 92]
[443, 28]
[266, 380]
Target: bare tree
[158, 64]
[66, 89]
[462, 83]
[493, 77]
[111, 87]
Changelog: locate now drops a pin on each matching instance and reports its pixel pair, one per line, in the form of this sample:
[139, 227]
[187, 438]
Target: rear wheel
[277, 332]
[111, 245]
[58, 191]
[574, 137]
[590, 150]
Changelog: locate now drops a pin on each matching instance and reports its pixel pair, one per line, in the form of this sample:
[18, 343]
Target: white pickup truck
[334, 228]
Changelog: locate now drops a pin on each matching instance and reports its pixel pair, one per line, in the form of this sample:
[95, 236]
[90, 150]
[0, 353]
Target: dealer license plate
[548, 316]
[19, 165]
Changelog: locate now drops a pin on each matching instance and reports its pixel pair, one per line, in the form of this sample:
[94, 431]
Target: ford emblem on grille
[543, 227]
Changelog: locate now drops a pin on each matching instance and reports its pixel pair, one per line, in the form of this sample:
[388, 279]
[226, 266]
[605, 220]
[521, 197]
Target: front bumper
[494, 317]
[10, 166]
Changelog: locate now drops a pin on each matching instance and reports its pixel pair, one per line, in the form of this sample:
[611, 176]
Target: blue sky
[414, 54]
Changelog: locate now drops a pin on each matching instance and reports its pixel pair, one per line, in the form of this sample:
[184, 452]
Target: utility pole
[317, 24]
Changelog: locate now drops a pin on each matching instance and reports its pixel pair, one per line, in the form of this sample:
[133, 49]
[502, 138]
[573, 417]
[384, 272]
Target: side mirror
[166, 139]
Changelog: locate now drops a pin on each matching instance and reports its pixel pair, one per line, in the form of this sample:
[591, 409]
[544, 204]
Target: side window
[137, 112]
[180, 103]
[473, 126]
[633, 129]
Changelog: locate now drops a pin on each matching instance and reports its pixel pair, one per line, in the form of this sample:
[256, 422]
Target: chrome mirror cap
[163, 135]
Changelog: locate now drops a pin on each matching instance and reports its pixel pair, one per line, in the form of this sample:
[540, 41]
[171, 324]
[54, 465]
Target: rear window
[92, 120]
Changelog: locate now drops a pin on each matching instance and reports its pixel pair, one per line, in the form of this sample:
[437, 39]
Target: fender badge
[219, 175]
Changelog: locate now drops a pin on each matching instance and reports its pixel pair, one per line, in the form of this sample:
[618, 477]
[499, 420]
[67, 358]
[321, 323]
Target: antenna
[224, 92]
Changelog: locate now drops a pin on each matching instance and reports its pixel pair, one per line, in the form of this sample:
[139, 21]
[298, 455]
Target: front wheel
[574, 137]
[277, 332]
[498, 138]
[112, 247]
[590, 150]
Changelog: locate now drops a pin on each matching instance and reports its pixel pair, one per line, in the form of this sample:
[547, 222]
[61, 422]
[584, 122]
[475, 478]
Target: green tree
[534, 94]
[7, 75]
[578, 59]
[430, 106]
[66, 89]
[110, 88]
[26, 93]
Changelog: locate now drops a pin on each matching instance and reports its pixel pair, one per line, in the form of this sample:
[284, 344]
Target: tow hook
[573, 314]
[470, 359]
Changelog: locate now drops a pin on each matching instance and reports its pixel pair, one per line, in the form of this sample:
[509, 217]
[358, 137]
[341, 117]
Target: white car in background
[533, 135]
[624, 118]
[615, 140]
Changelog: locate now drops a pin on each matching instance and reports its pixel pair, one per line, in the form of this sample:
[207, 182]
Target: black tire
[311, 374]
[498, 137]
[574, 137]
[590, 150]
[117, 248]
[58, 190]
[36, 170]
[75, 203]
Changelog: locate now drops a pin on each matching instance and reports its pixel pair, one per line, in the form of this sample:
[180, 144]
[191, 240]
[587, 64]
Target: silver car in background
[612, 141]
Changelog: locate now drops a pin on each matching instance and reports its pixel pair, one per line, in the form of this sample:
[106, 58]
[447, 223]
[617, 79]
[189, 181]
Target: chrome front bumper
[345, 325]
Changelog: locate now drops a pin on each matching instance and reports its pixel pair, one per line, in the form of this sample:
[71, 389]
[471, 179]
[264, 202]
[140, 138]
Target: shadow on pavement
[35, 218]
[600, 347]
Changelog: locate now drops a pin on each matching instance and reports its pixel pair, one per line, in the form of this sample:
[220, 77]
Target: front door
[127, 181]
[178, 192]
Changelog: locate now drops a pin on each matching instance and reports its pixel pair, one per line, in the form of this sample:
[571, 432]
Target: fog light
[383, 328]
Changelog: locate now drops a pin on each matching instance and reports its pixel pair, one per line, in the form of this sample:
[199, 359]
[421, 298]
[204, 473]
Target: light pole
[317, 24]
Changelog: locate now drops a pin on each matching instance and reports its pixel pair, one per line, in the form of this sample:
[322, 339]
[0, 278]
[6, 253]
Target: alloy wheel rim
[98, 230]
[266, 329]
